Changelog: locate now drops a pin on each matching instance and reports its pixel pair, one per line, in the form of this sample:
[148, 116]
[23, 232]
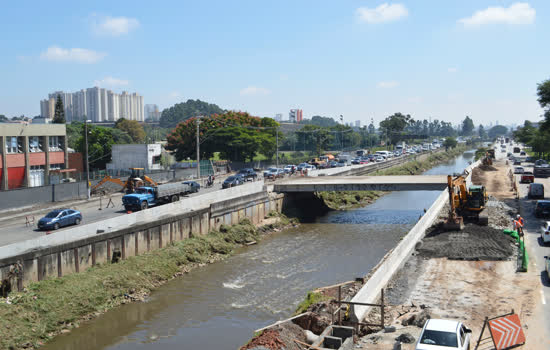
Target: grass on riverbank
[46, 308]
[355, 199]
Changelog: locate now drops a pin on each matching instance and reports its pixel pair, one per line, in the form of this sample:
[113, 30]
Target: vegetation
[311, 298]
[467, 126]
[497, 130]
[181, 112]
[236, 135]
[45, 308]
[133, 128]
[450, 142]
[59, 113]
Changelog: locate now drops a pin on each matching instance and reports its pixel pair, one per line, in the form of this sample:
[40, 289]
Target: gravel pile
[500, 214]
[473, 243]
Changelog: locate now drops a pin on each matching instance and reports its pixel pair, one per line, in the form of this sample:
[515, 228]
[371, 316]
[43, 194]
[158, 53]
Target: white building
[143, 156]
[279, 117]
[96, 104]
[152, 112]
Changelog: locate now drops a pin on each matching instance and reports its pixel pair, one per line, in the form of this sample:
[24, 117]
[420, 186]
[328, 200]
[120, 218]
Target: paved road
[535, 248]
[13, 228]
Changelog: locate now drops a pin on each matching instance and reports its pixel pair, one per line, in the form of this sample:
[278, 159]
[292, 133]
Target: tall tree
[481, 131]
[133, 128]
[59, 113]
[450, 142]
[543, 92]
[180, 112]
[394, 125]
[497, 130]
[467, 126]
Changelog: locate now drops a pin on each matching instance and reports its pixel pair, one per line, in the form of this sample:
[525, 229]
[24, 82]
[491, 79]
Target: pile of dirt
[500, 214]
[277, 338]
[486, 167]
[473, 243]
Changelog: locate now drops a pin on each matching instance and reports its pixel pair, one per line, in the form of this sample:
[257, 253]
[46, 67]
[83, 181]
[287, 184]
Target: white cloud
[113, 26]
[383, 13]
[174, 94]
[75, 55]
[517, 13]
[254, 91]
[387, 84]
[110, 82]
[452, 70]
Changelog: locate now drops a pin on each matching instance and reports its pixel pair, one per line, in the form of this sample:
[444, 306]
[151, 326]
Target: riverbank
[45, 309]
[356, 199]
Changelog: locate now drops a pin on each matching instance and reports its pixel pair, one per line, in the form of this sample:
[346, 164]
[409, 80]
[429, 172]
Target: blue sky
[363, 59]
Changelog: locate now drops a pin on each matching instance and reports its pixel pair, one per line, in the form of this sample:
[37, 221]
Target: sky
[360, 59]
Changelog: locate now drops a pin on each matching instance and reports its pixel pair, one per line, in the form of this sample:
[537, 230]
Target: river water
[220, 305]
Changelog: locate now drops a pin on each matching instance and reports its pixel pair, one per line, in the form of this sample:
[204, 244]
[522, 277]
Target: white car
[545, 232]
[288, 168]
[519, 170]
[440, 334]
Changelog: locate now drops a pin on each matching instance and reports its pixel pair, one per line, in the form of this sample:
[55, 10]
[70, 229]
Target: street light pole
[198, 151]
[87, 160]
[342, 120]
[277, 138]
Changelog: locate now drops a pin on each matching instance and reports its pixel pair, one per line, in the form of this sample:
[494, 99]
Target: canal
[219, 306]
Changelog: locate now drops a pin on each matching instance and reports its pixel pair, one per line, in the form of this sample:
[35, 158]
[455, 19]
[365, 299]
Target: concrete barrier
[393, 261]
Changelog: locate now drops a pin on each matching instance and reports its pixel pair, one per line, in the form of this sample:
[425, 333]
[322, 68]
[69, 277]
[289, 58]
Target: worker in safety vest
[518, 227]
[520, 219]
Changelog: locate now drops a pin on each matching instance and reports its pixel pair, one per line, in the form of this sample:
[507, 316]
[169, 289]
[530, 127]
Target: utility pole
[342, 134]
[87, 160]
[198, 151]
[277, 138]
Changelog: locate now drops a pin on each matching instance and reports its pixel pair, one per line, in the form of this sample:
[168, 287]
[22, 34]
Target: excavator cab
[465, 203]
[477, 197]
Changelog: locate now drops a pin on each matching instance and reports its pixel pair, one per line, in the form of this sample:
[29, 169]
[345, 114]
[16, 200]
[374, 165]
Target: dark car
[542, 209]
[356, 161]
[59, 218]
[333, 164]
[232, 181]
[248, 174]
[195, 186]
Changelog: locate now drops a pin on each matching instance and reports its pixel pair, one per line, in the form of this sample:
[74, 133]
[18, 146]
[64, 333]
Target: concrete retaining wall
[61, 253]
[35, 195]
[393, 261]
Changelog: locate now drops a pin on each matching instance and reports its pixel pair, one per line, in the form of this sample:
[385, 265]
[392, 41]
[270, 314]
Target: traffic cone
[48, 232]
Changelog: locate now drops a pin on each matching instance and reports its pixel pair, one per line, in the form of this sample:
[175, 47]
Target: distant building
[295, 116]
[95, 104]
[146, 156]
[358, 123]
[152, 112]
[279, 117]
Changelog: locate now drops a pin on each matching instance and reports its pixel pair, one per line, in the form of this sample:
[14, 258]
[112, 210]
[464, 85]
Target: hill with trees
[181, 112]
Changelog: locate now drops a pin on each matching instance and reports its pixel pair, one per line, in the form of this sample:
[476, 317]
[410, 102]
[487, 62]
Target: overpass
[363, 183]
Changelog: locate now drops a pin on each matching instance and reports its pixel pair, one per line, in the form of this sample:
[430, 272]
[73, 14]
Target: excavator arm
[107, 178]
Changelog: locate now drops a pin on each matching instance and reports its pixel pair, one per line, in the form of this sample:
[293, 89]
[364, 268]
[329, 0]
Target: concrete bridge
[363, 183]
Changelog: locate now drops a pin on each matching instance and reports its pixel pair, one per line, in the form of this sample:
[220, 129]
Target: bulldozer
[136, 179]
[466, 203]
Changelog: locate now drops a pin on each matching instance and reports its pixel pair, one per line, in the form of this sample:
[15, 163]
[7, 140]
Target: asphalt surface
[536, 249]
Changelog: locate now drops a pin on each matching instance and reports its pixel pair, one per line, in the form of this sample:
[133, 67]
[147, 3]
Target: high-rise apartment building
[152, 112]
[95, 104]
[357, 123]
[279, 117]
[295, 115]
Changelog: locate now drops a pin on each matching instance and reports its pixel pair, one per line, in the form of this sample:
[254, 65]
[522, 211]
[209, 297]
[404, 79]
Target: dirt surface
[498, 182]
[473, 243]
[277, 338]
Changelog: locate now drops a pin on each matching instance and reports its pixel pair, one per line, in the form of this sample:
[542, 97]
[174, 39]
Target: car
[364, 161]
[522, 153]
[301, 166]
[274, 173]
[356, 161]
[519, 170]
[536, 190]
[517, 161]
[547, 268]
[58, 218]
[268, 172]
[342, 163]
[194, 186]
[288, 168]
[527, 178]
[444, 334]
[333, 164]
[503, 150]
[545, 232]
[248, 174]
[232, 181]
[542, 209]
[540, 162]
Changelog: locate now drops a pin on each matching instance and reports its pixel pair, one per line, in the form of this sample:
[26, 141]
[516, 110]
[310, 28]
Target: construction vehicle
[466, 203]
[145, 197]
[488, 158]
[136, 179]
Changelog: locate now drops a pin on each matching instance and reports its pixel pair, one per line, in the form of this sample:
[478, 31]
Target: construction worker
[518, 226]
[520, 219]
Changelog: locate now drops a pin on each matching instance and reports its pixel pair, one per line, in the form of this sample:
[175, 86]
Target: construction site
[469, 274]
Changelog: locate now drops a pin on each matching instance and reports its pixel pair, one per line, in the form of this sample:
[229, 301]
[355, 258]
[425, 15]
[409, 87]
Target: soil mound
[486, 167]
[473, 243]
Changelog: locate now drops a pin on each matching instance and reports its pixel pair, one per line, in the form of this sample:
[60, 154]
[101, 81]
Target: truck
[147, 196]
[517, 149]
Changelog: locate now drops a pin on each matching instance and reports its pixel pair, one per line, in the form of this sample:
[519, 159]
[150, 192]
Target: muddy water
[220, 305]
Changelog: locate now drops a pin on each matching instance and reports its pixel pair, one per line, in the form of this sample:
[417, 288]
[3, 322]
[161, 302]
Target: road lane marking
[542, 298]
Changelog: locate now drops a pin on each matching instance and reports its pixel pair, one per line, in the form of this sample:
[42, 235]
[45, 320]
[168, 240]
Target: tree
[497, 130]
[543, 92]
[394, 125]
[180, 112]
[372, 128]
[450, 142]
[467, 126]
[59, 113]
[525, 134]
[3, 118]
[236, 135]
[481, 131]
[133, 128]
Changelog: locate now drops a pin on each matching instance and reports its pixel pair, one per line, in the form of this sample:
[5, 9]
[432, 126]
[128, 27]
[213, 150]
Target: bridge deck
[363, 183]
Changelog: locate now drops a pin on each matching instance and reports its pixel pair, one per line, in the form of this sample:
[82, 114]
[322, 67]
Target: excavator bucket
[456, 224]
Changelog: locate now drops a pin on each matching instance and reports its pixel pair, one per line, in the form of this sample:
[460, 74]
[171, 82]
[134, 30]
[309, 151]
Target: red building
[30, 152]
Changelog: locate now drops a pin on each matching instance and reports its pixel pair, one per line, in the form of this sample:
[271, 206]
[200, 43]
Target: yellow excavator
[465, 202]
[136, 179]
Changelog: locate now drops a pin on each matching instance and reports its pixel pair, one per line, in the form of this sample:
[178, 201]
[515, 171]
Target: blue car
[59, 218]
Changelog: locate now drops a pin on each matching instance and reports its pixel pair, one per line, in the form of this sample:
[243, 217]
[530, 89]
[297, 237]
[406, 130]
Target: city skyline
[96, 104]
[357, 59]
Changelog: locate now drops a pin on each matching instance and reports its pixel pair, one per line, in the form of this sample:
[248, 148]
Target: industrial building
[146, 156]
[30, 152]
